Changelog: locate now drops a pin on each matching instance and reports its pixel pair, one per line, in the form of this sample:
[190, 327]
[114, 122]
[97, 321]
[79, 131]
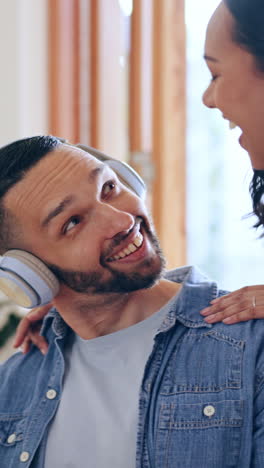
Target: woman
[234, 53]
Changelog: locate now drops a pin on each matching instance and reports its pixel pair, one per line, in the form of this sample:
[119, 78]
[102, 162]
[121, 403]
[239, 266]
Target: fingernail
[228, 320]
[210, 319]
[44, 351]
[205, 311]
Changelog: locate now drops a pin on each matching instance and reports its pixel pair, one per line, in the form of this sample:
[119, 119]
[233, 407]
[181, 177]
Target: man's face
[92, 232]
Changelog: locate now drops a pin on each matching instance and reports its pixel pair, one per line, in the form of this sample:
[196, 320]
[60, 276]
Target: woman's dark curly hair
[248, 31]
[257, 195]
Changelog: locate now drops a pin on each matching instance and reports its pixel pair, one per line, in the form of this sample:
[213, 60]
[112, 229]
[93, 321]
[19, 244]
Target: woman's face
[237, 87]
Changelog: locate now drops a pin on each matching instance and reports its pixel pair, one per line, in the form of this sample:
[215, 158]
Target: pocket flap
[11, 429]
[226, 413]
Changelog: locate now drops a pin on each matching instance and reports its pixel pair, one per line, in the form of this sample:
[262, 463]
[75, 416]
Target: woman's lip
[241, 142]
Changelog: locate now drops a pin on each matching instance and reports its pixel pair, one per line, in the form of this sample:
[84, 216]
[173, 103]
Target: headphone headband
[124, 171]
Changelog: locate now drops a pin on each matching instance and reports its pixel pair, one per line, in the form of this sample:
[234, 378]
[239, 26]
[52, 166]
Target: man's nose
[208, 98]
[113, 220]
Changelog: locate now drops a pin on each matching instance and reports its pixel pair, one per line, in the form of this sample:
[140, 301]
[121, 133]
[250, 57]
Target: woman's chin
[242, 141]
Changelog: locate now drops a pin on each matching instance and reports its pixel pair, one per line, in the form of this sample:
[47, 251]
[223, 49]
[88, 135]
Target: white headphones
[24, 278]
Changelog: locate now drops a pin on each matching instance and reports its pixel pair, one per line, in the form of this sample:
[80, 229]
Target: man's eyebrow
[57, 210]
[208, 58]
[70, 199]
[96, 172]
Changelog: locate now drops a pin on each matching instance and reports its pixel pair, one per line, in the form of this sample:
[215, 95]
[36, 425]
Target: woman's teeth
[232, 125]
[132, 247]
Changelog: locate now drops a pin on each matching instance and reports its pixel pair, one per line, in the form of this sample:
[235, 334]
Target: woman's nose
[208, 98]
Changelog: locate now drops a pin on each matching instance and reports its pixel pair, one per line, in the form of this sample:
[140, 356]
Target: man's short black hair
[16, 159]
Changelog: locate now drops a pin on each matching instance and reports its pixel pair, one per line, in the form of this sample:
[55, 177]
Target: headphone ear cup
[26, 279]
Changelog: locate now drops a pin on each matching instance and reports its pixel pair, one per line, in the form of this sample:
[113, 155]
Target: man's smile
[131, 247]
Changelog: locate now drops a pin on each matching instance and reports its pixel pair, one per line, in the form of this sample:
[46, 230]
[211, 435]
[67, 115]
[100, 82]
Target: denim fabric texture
[201, 402]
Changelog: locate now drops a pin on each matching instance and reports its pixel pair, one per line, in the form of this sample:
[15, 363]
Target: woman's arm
[241, 305]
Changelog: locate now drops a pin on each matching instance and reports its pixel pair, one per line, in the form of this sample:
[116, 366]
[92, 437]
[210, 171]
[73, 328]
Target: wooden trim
[64, 67]
[94, 74]
[53, 65]
[135, 116]
[76, 60]
[140, 96]
[112, 94]
[169, 127]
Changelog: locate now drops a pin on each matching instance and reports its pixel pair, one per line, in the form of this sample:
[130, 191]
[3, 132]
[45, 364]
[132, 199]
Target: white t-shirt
[96, 423]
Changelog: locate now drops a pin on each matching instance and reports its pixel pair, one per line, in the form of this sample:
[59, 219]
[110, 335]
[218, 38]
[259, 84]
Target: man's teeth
[232, 125]
[132, 247]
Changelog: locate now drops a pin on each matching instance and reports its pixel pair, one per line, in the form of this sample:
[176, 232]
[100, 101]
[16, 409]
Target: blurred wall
[24, 69]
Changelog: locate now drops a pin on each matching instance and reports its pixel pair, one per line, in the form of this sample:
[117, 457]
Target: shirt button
[209, 410]
[51, 394]
[11, 438]
[24, 456]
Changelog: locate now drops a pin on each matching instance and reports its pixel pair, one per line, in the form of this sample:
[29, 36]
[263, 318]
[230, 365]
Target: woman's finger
[238, 312]
[246, 290]
[224, 313]
[25, 347]
[38, 340]
[24, 326]
[245, 298]
[245, 315]
[222, 303]
[21, 331]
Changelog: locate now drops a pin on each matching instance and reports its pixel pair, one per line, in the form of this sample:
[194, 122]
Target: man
[133, 376]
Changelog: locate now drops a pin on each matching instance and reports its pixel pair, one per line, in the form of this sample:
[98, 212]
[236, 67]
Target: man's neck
[98, 315]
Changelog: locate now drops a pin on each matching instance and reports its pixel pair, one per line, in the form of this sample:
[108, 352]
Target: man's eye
[71, 224]
[109, 187]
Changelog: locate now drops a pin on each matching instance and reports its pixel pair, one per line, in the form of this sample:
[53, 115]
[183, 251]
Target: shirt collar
[53, 319]
[196, 293]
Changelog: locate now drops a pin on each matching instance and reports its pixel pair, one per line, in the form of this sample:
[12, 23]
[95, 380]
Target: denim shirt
[201, 402]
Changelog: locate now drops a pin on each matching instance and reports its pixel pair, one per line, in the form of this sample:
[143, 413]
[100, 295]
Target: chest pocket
[11, 436]
[204, 362]
[204, 435]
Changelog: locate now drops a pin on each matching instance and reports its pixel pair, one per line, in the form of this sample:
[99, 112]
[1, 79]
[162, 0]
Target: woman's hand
[29, 328]
[241, 305]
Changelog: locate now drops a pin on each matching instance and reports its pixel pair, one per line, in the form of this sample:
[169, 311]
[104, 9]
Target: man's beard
[149, 271]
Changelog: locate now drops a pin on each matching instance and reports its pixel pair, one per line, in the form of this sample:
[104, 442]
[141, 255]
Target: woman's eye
[71, 224]
[214, 77]
[109, 187]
